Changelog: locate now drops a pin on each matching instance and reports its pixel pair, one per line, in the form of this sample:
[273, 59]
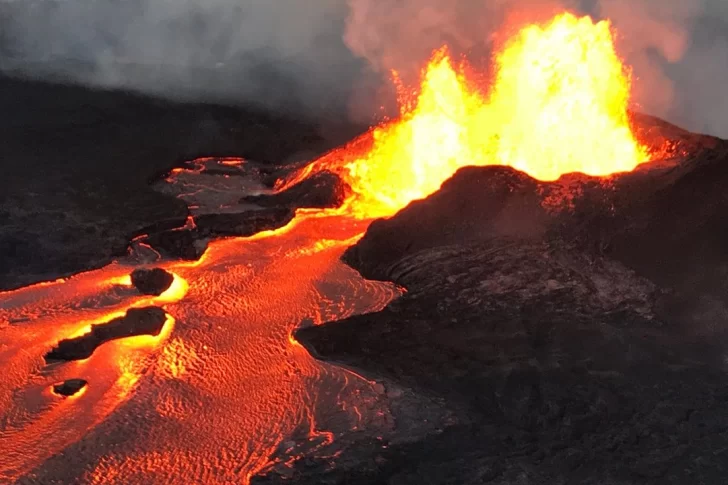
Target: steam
[285, 54]
[678, 49]
[396, 35]
[329, 56]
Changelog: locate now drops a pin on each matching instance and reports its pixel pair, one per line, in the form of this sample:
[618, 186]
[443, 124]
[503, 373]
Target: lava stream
[36, 422]
[216, 393]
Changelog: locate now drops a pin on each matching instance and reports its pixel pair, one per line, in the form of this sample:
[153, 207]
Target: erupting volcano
[558, 104]
[195, 368]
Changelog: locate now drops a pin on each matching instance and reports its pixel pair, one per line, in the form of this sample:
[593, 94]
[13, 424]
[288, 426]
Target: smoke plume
[327, 56]
[678, 49]
[285, 54]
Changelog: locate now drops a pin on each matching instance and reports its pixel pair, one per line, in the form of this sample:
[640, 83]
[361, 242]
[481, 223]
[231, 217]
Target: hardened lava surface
[579, 326]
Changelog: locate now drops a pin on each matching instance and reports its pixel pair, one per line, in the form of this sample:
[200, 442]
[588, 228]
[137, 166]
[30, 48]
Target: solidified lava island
[523, 282]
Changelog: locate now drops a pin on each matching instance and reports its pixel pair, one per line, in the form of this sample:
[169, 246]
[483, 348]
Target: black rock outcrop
[153, 281]
[321, 190]
[137, 321]
[190, 243]
[70, 387]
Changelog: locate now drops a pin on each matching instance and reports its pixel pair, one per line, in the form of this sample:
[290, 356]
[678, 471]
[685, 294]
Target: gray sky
[328, 56]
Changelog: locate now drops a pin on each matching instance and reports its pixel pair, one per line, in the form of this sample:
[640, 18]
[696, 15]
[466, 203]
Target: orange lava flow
[36, 420]
[557, 104]
[213, 397]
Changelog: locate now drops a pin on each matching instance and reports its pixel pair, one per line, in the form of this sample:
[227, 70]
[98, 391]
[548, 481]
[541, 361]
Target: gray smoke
[281, 53]
[678, 49]
[325, 56]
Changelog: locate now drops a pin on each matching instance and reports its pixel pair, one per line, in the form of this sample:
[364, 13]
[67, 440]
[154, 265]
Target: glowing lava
[209, 399]
[558, 104]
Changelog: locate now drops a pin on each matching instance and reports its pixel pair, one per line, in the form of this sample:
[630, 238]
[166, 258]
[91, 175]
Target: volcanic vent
[557, 105]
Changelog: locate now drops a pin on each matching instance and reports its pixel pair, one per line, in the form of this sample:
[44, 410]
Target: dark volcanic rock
[76, 165]
[137, 321]
[244, 223]
[69, 387]
[179, 243]
[667, 220]
[151, 281]
[678, 235]
[478, 203]
[321, 190]
[190, 243]
[546, 314]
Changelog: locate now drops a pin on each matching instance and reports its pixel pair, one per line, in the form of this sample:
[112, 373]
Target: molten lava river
[224, 386]
[211, 397]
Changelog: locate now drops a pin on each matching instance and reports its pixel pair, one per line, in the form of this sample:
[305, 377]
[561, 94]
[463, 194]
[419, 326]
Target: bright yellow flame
[560, 101]
[123, 280]
[176, 291]
[411, 158]
[558, 105]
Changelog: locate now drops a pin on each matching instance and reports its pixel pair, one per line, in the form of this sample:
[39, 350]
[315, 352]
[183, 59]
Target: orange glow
[561, 99]
[149, 341]
[129, 374]
[177, 359]
[232, 377]
[173, 294]
[123, 280]
[412, 157]
[85, 327]
[176, 291]
[292, 340]
[279, 231]
[72, 397]
[130, 368]
[231, 162]
[84, 330]
[558, 104]
[80, 393]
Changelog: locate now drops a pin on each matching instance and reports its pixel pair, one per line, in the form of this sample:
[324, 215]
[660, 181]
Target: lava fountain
[558, 104]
